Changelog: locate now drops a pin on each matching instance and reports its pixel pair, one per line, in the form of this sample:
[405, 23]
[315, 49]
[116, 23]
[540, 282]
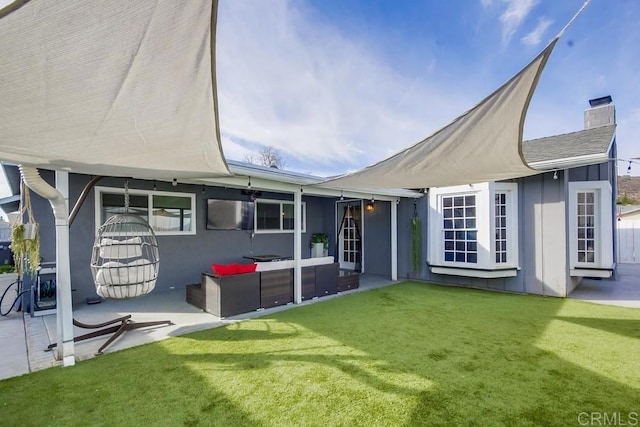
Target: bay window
[473, 230]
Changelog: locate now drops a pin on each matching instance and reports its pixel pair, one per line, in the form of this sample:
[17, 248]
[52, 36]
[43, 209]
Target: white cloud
[486, 3]
[535, 37]
[514, 15]
[288, 80]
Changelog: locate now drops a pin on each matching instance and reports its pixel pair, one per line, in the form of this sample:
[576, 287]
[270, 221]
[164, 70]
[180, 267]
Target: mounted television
[229, 215]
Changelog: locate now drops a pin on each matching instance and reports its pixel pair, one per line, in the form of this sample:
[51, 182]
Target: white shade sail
[119, 88]
[483, 144]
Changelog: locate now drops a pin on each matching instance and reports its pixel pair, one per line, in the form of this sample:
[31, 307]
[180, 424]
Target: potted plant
[25, 238]
[319, 245]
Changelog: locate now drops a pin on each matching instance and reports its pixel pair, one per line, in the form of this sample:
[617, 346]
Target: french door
[350, 235]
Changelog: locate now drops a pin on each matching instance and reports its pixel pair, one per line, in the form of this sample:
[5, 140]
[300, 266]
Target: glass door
[350, 235]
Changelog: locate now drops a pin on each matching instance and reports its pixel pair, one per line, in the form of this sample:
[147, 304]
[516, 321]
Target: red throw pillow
[224, 269]
[246, 268]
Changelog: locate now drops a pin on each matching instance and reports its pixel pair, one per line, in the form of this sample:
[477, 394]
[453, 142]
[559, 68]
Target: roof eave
[570, 162]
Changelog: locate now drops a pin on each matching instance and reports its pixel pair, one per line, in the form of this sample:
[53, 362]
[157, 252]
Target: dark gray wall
[377, 239]
[182, 258]
[405, 214]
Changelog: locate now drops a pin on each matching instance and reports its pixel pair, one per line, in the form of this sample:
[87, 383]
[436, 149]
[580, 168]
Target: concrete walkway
[623, 291]
[13, 347]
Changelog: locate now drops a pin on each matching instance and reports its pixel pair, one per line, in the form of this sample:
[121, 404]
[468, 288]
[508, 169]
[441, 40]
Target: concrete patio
[624, 291]
[26, 338]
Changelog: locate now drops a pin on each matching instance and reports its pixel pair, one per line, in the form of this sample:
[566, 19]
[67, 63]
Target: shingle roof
[569, 145]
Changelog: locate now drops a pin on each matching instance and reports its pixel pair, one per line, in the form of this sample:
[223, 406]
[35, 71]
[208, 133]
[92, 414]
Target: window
[474, 229]
[167, 213]
[500, 226]
[459, 226]
[590, 227]
[276, 216]
[586, 226]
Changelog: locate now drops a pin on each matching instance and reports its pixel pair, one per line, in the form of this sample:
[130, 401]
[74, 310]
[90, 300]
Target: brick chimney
[601, 113]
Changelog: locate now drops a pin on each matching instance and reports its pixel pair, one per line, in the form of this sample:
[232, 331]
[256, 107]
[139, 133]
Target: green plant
[320, 238]
[25, 238]
[6, 268]
[416, 243]
[626, 200]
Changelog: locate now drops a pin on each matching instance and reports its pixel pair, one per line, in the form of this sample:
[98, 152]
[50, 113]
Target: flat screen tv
[229, 215]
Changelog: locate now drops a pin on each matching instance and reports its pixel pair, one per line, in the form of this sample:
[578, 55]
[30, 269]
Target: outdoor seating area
[228, 292]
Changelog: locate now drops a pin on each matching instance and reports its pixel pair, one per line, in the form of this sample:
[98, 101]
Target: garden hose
[4, 295]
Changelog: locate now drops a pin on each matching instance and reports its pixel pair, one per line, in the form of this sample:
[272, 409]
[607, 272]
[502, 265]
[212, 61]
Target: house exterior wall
[377, 239]
[541, 236]
[182, 257]
[602, 172]
[406, 210]
[546, 267]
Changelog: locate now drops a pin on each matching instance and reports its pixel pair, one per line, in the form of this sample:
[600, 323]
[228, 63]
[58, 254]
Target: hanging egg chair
[125, 261]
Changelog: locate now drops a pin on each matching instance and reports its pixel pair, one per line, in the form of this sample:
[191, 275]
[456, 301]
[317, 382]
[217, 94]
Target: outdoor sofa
[229, 292]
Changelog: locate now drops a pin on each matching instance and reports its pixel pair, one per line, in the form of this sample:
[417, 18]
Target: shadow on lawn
[480, 350]
[624, 327]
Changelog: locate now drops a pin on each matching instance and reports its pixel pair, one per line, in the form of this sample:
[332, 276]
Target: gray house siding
[182, 258]
[405, 213]
[377, 239]
[541, 236]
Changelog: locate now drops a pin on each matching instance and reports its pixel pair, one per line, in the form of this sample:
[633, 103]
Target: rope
[126, 196]
[586, 3]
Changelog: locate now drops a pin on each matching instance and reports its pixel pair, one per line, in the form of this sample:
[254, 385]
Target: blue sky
[339, 85]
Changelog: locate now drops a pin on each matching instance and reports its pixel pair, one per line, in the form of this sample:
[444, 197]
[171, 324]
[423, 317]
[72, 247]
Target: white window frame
[511, 191]
[99, 191]
[281, 203]
[603, 229]
[486, 265]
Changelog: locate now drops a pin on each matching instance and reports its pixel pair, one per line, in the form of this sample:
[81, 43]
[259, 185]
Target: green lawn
[410, 354]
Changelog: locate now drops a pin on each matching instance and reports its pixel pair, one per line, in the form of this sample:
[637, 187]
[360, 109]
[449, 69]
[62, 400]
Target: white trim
[603, 225]
[585, 272]
[64, 305]
[570, 162]
[281, 203]
[470, 272]
[297, 246]
[511, 189]
[394, 240]
[339, 247]
[485, 226]
[149, 193]
[436, 239]
[259, 182]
